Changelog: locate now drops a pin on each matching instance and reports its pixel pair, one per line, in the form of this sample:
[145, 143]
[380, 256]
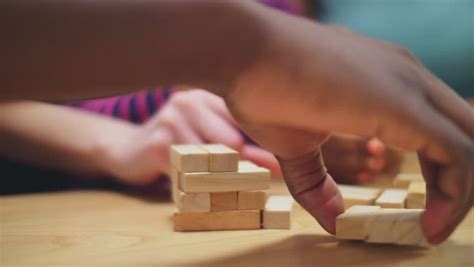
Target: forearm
[75, 49]
[59, 137]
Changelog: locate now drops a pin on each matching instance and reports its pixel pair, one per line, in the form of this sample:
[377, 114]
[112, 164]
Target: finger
[262, 158]
[446, 162]
[440, 202]
[213, 129]
[393, 160]
[313, 188]
[303, 169]
[375, 146]
[217, 104]
[375, 164]
[451, 104]
[184, 133]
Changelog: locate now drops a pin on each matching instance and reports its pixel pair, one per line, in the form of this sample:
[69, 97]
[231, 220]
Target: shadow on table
[318, 250]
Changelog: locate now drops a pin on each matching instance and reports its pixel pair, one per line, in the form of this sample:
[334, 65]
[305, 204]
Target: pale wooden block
[392, 198]
[222, 158]
[174, 184]
[246, 178]
[215, 221]
[403, 180]
[193, 201]
[351, 224]
[375, 225]
[251, 200]
[246, 165]
[396, 226]
[277, 213]
[189, 158]
[221, 201]
[416, 198]
[358, 195]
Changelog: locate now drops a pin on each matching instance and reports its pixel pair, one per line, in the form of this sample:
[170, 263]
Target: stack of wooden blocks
[389, 216]
[214, 190]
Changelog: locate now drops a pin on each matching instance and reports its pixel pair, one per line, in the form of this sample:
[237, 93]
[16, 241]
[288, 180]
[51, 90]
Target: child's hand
[357, 161]
[189, 117]
[312, 80]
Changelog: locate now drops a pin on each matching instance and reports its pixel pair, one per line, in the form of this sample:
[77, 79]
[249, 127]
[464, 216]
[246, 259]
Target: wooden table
[84, 228]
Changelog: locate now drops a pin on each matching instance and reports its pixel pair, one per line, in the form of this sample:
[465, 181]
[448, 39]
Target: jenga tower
[213, 190]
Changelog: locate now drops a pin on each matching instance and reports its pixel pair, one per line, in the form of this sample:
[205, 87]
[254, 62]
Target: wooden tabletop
[84, 228]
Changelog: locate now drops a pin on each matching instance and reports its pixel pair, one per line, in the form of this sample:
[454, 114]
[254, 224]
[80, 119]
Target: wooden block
[248, 177]
[403, 180]
[251, 200]
[396, 226]
[222, 158]
[174, 184]
[215, 221]
[193, 201]
[189, 158]
[358, 195]
[221, 201]
[246, 165]
[392, 198]
[416, 198]
[277, 213]
[351, 224]
[375, 225]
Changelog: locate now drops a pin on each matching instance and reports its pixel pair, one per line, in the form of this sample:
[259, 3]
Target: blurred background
[439, 32]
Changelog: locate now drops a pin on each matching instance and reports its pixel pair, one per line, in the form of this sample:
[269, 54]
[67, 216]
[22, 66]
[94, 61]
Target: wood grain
[392, 198]
[251, 200]
[358, 195]
[222, 158]
[248, 177]
[416, 198]
[106, 228]
[189, 158]
[217, 221]
[221, 201]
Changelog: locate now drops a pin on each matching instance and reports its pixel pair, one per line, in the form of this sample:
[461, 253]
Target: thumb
[313, 188]
[299, 155]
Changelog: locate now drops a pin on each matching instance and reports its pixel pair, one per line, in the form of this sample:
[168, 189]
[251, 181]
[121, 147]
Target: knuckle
[187, 100]
[168, 118]
[405, 52]
[178, 99]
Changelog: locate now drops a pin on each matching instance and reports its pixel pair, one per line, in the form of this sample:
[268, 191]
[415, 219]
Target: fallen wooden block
[189, 158]
[251, 200]
[376, 225]
[392, 198]
[193, 201]
[351, 224]
[221, 201]
[403, 180]
[222, 158]
[248, 177]
[215, 221]
[396, 226]
[358, 195]
[277, 213]
[416, 198]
